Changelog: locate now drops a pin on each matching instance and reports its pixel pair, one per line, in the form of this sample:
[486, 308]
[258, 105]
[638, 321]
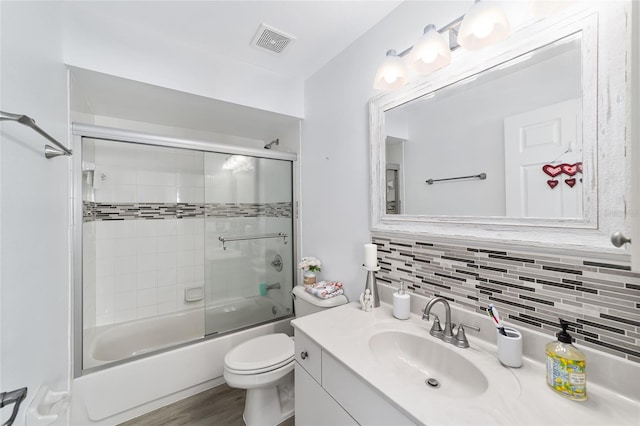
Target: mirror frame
[604, 121]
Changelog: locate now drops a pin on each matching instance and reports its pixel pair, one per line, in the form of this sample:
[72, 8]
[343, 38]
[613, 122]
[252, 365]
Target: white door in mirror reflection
[549, 135]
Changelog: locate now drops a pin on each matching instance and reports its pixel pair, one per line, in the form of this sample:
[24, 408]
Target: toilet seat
[260, 355]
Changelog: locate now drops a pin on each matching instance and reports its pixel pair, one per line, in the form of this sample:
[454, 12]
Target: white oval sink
[419, 358]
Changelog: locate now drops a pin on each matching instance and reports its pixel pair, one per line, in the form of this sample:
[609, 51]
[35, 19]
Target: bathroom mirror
[495, 143]
[505, 144]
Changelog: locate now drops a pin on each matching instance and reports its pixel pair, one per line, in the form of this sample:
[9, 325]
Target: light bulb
[484, 24]
[390, 77]
[392, 74]
[431, 52]
[483, 28]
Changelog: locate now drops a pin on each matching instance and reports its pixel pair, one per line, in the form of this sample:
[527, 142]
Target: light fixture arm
[452, 27]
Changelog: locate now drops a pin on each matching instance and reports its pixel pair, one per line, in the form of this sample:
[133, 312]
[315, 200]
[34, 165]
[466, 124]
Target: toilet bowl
[264, 367]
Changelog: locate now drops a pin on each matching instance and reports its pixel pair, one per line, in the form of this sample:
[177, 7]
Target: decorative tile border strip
[93, 211]
[248, 210]
[601, 300]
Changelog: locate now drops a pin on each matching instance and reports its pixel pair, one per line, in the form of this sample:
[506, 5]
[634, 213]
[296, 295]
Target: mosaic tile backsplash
[93, 211]
[601, 300]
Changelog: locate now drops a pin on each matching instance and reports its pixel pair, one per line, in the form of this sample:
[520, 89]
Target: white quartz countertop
[515, 396]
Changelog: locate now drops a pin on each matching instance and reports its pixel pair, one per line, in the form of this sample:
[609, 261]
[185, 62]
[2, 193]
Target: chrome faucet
[273, 286]
[437, 331]
[446, 335]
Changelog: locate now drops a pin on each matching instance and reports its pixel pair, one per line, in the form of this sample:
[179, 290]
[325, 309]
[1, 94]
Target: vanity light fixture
[430, 53]
[392, 74]
[484, 24]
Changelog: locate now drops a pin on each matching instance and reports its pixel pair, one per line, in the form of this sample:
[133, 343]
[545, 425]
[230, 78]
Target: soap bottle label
[567, 376]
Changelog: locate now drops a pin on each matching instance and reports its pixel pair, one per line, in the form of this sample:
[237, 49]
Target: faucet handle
[473, 327]
[461, 337]
[436, 329]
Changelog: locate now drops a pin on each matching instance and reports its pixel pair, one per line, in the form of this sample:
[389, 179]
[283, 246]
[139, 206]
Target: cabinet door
[308, 355]
[365, 404]
[314, 407]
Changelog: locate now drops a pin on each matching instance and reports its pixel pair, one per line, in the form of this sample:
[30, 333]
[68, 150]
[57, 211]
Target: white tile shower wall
[275, 181]
[247, 264]
[128, 172]
[243, 263]
[143, 267]
[247, 179]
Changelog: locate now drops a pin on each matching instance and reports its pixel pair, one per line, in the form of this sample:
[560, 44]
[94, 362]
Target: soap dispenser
[566, 366]
[401, 303]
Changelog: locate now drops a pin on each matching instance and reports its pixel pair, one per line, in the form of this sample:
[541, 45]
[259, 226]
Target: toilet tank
[306, 304]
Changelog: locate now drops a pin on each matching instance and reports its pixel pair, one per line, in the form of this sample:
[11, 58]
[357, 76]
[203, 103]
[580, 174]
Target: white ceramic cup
[510, 347]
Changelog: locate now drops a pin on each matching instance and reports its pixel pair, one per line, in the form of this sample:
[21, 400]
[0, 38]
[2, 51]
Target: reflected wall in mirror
[505, 142]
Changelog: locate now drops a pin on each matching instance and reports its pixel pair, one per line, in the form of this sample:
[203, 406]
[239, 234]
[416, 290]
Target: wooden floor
[221, 405]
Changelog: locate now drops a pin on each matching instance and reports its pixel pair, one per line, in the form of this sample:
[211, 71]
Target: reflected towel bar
[49, 151]
[252, 237]
[481, 176]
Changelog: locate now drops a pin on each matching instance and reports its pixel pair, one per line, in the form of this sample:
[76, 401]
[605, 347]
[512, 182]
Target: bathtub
[126, 390]
[110, 343]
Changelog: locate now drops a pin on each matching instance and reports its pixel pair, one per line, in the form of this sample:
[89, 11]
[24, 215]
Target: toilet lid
[260, 354]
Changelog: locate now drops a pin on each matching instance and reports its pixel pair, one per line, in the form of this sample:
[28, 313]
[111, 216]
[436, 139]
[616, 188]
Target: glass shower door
[143, 249]
[248, 243]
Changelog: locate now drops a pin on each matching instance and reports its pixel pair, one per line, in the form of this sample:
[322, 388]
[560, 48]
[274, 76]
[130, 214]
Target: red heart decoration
[569, 169]
[570, 182]
[552, 170]
[552, 183]
[579, 166]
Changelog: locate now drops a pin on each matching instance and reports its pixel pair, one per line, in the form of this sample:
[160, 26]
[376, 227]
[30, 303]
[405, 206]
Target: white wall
[34, 223]
[91, 43]
[335, 144]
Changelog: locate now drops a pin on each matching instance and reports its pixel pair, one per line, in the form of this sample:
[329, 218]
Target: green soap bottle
[566, 367]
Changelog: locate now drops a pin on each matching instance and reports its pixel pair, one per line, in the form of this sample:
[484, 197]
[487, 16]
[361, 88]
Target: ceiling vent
[275, 41]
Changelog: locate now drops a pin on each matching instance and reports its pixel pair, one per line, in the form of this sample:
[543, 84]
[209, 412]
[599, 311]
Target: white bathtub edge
[123, 392]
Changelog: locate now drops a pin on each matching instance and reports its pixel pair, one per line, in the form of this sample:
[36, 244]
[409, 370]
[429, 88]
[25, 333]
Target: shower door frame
[79, 131]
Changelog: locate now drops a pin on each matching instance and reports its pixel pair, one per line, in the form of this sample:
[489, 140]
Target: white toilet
[264, 366]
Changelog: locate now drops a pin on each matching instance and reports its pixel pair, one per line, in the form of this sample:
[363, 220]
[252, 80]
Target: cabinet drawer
[309, 355]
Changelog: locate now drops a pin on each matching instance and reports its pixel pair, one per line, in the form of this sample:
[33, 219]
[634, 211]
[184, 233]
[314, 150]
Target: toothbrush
[493, 313]
[490, 313]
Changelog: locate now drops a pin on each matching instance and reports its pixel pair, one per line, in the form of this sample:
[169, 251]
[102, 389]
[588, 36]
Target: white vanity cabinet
[328, 393]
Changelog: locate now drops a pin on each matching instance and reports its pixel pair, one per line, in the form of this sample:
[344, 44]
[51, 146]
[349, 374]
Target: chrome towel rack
[49, 151]
[481, 176]
[252, 237]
